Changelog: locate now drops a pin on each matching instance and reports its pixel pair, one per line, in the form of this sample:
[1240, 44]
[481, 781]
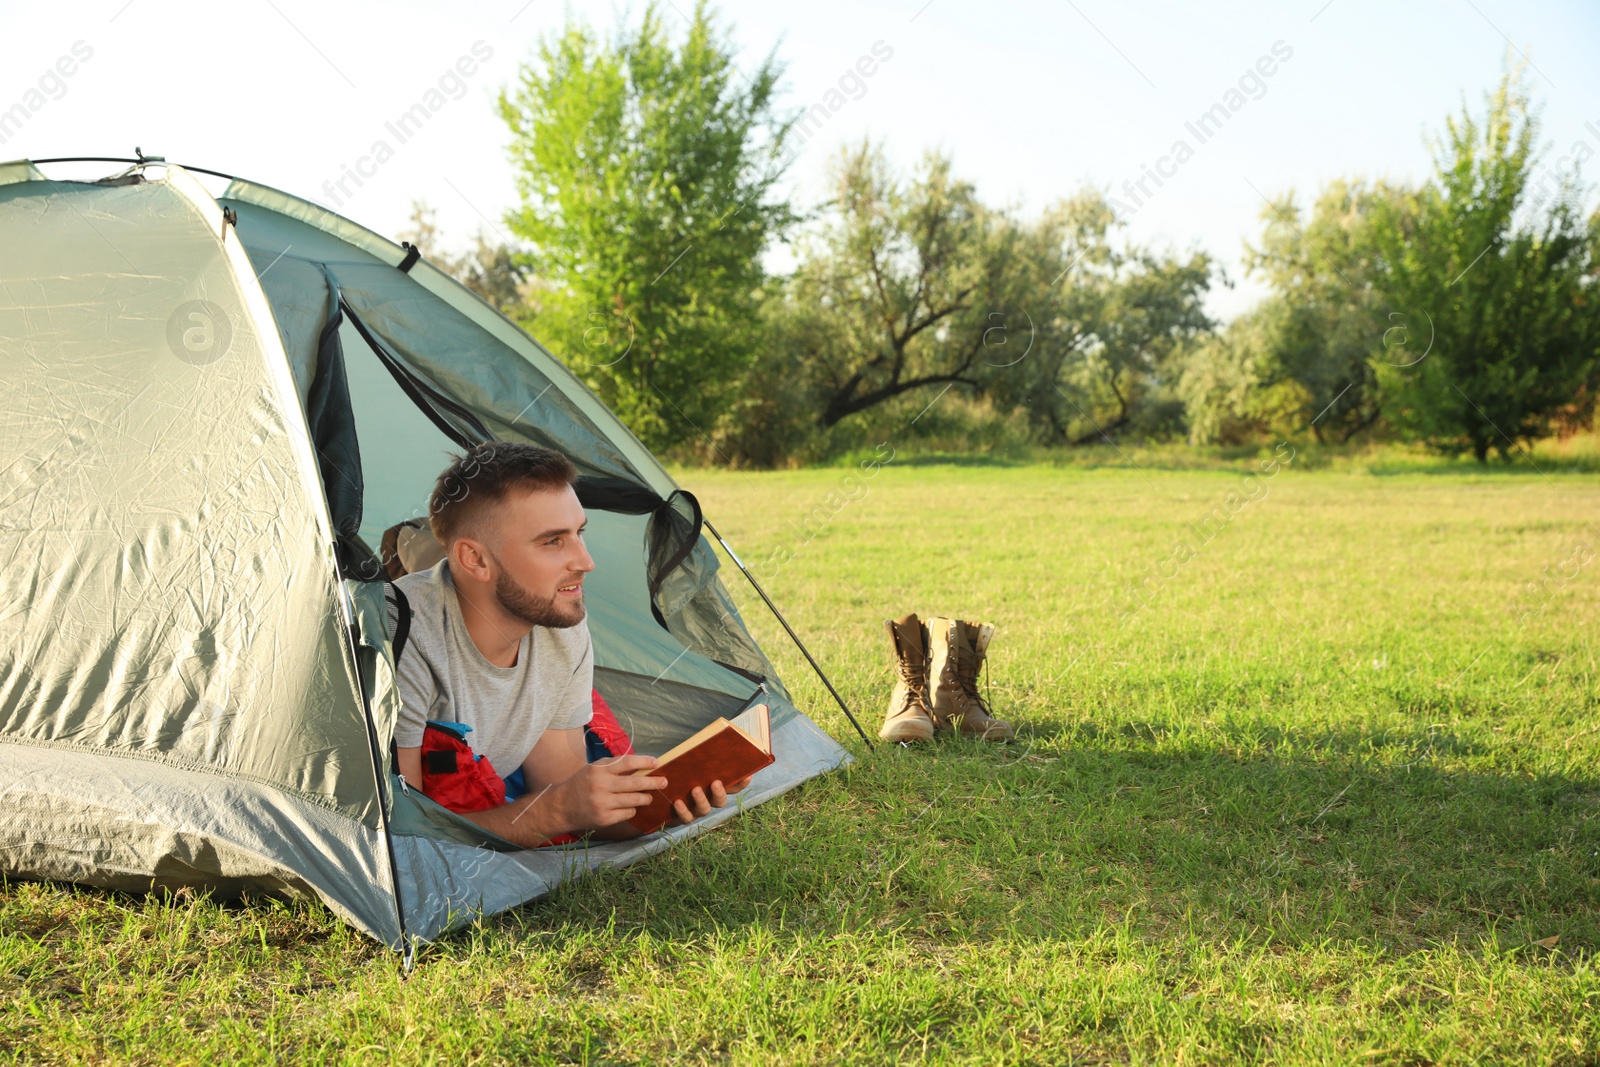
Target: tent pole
[790, 629]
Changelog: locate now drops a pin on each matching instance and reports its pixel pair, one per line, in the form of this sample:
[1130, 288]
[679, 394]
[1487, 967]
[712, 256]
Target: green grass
[1315, 802]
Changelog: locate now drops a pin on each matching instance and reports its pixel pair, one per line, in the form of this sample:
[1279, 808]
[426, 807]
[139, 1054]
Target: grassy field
[1306, 773]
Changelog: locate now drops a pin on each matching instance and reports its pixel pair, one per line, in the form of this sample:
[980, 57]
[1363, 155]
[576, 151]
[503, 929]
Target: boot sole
[909, 730]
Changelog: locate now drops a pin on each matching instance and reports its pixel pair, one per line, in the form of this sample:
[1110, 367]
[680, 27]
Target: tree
[1325, 329]
[1506, 297]
[1110, 320]
[1221, 383]
[1065, 308]
[1149, 308]
[644, 169]
[1302, 359]
[902, 288]
[911, 288]
[1281, 369]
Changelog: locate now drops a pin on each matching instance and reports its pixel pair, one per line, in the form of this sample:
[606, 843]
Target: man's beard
[532, 609]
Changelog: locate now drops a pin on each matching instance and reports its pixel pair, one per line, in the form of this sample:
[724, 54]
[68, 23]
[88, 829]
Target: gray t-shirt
[444, 677]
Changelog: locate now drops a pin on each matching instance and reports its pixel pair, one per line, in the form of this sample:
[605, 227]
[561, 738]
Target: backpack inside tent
[214, 408]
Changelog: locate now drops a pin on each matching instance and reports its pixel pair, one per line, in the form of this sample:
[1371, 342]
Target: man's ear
[470, 559]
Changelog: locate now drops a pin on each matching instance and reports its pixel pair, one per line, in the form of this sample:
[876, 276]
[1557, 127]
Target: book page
[756, 724]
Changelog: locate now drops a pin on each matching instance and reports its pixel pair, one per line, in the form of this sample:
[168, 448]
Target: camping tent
[213, 407]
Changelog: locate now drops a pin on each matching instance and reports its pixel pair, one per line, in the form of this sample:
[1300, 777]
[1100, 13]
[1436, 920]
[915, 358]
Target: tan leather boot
[956, 651]
[908, 718]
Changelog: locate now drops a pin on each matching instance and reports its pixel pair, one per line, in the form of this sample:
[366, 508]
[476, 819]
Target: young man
[499, 643]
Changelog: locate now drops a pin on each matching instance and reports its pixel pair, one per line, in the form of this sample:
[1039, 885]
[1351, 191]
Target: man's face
[540, 557]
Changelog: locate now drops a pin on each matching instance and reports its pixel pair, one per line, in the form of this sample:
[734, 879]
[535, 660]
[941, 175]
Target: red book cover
[722, 752]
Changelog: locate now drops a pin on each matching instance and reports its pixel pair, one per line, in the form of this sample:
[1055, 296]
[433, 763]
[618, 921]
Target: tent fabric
[20, 170]
[165, 547]
[205, 418]
[75, 814]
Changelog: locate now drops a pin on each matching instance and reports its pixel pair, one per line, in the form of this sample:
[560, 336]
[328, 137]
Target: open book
[722, 752]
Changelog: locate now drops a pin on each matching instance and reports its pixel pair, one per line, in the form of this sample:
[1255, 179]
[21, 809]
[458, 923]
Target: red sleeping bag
[452, 775]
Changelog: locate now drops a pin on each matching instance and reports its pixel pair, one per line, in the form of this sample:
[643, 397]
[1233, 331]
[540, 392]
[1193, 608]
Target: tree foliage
[644, 168]
[1302, 359]
[1460, 312]
[1507, 298]
[1111, 371]
[910, 288]
[1328, 324]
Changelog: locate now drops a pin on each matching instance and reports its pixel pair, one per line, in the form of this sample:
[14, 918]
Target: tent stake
[801, 645]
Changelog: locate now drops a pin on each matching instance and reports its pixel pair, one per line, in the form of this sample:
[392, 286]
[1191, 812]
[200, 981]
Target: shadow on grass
[1379, 460]
[957, 459]
[1253, 834]
[1517, 465]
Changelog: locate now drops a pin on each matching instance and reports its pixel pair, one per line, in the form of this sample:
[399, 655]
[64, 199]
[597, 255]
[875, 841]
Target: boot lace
[915, 690]
[968, 666]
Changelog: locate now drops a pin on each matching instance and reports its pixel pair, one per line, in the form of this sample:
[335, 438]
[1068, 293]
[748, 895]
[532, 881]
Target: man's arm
[566, 793]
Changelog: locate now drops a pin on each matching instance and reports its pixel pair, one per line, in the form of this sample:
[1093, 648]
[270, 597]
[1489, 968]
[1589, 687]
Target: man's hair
[484, 476]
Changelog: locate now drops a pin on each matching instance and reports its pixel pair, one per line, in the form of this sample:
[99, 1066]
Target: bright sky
[1031, 99]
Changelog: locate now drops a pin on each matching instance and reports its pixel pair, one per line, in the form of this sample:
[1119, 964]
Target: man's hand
[601, 794]
[701, 805]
